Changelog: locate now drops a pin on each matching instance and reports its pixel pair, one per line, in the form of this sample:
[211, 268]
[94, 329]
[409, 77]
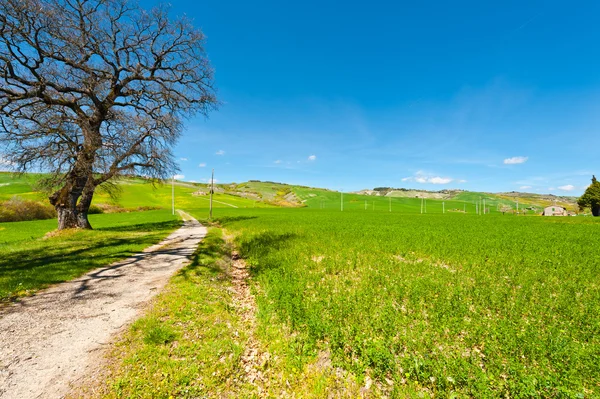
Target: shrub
[17, 209]
[95, 210]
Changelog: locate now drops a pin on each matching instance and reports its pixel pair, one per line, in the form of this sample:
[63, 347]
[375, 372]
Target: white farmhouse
[554, 210]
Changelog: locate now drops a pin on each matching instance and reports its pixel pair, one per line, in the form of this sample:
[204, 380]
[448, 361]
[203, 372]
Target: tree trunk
[67, 218]
[79, 183]
[65, 199]
[596, 210]
[83, 206]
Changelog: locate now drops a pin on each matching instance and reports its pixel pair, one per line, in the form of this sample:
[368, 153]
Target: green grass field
[432, 305]
[421, 305]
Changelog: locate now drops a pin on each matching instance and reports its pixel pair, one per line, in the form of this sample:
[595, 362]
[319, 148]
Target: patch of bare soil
[56, 338]
[254, 360]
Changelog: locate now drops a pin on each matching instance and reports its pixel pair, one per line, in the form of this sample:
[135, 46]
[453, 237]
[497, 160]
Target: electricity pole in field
[484, 206]
[173, 195]
[425, 205]
[212, 190]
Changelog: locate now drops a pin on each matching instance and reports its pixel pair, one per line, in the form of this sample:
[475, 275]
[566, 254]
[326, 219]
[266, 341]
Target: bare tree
[92, 89]
[505, 208]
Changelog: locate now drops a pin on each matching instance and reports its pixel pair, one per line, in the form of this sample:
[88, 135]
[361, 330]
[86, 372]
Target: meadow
[479, 306]
[361, 302]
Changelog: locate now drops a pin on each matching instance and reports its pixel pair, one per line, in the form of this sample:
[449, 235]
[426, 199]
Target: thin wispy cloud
[567, 187]
[5, 164]
[278, 161]
[515, 160]
[183, 159]
[524, 187]
[312, 158]
[220, 152]
[427, 178]
[179, 177]
[202, 165]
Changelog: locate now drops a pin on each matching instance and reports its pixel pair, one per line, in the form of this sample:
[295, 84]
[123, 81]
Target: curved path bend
[51, 340]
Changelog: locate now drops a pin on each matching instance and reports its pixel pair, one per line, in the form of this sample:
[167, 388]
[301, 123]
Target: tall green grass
[438, 304]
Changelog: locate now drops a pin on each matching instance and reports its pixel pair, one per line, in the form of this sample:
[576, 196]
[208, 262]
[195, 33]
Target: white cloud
[424, 178]
[220, 152]
[524, 187]
[312, 157]
[439, 180]
[461, 181]
[568, 187]
[179, 177]
[183, 159]
[202, 165]
[5, 164]
[515, 160]
[278, 161]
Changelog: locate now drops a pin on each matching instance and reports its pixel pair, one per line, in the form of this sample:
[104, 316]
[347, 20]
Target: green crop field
[439, 304]
[424, 305]
[482, 306]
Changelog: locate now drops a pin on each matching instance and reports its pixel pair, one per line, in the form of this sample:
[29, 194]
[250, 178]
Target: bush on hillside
[95, 210]
[17, 209]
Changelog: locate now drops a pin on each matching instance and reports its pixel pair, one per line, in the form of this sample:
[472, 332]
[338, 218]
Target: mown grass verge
[31, 260]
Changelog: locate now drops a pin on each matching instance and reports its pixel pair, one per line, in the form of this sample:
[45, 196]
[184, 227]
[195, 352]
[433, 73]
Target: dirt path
[52, 339]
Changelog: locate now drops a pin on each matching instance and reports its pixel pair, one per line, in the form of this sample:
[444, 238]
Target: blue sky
[467, 94]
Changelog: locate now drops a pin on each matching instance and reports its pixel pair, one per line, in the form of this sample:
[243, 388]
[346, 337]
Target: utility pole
[517, 207]
[421, 205]
[173, 195]
[425, 205]
[212, 190]
[484, 206]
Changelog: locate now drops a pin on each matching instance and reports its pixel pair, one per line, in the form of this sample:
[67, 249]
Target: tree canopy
[591, 197]
[91, 89]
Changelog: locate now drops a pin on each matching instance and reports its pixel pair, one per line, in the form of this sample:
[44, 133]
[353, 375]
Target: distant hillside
[493, 199]
[137, 191]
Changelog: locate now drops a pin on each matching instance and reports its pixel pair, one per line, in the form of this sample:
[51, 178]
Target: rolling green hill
[137, 192]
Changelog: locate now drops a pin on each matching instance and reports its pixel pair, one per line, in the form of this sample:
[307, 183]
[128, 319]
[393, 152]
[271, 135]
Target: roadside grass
[30, 260]
[190, 343]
